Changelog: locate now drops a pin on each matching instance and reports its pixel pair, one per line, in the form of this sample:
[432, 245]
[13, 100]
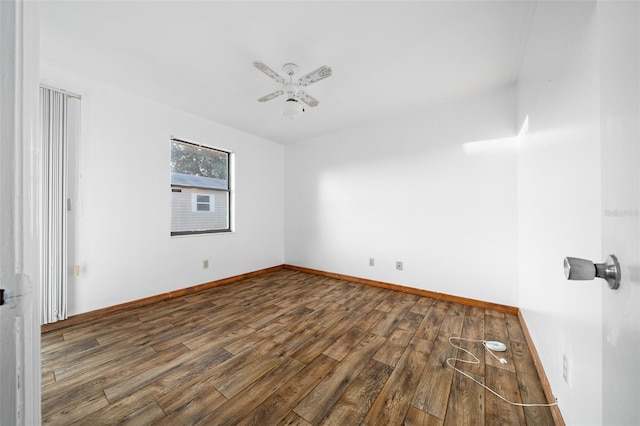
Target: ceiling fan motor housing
[291, 90]
[290, 69]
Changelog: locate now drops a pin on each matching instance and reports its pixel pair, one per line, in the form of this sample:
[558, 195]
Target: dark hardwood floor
[288, 348]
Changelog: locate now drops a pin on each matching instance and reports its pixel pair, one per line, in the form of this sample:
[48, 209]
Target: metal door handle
[583, 269]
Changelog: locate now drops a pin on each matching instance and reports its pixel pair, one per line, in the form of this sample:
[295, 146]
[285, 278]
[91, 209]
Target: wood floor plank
[495, 328]
[231, 384]
[169, 306]
[134, 393]
[320, 401]
[92, 372]
[180, 397]
[332, 313]
[287, 347]
[181, 332]
[476, 312]
[466, 402]
[411, 321]
[416, 417]
[268, 383]
[493, 313]
[432, 394]
[104, 329]
[115, 412]
[354, 404]
[88, 404]
[59, 349]
[267, 316]
[293, 419]
[50, 339]
[140, 334]
[388, 302]
[68, 392]
[293, 316]
[173, 371]
[367, 320]
[98, 358]
[392, 403]
[311, 319]
[353, 302]
[422, 305]
[223, 335]
[392, 349]
[453, 320]
[522, 359]
[498, 411]
[374, 296]
[324, 340]
[343, 344]
[387, 324]
[251, 339]
[234, 368]
[430, 326]
[514, 329]
[277, 405]
[194, 409]
[532, 393]
[148, 415]
[228, 367]
[47, 378]
[473, 329]
[73, 351]
[317, 304]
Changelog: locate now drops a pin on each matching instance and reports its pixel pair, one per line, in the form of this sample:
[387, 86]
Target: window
[202, 203]
[200, 190]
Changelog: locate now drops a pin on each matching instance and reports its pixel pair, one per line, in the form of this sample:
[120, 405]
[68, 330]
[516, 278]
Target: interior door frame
[21, 220]
[620, 132]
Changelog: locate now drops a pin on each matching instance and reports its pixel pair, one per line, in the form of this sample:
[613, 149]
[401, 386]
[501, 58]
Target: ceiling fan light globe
[292, 108]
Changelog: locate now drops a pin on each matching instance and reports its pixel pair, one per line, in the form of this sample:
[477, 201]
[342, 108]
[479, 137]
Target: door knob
[583, 269]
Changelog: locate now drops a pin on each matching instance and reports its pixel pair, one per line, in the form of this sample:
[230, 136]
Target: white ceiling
[388, 58]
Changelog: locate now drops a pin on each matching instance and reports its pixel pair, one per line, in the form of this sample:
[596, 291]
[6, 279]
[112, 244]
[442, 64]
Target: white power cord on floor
[487, 344]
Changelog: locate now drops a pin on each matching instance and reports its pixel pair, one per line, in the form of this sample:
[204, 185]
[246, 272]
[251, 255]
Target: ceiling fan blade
[268, 71]
[315, 76]
[271, 96]
[308, 99]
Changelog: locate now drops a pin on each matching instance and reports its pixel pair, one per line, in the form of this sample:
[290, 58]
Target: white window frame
[210, 203]
[212, 198]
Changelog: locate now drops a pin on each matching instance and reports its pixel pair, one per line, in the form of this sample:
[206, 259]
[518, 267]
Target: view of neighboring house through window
[200, 190]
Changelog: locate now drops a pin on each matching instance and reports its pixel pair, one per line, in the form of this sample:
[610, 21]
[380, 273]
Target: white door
[19, 215]
[620, 127]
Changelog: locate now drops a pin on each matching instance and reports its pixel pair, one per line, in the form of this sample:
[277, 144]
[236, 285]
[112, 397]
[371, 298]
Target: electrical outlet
[399, 265]
[372, 261]
[205, 264]
[565, 368]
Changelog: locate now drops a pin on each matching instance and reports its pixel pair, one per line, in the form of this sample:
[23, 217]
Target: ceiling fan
[292, 91]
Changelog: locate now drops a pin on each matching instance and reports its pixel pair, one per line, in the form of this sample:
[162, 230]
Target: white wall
[123, 244]
[559, 177]
[436, 189]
